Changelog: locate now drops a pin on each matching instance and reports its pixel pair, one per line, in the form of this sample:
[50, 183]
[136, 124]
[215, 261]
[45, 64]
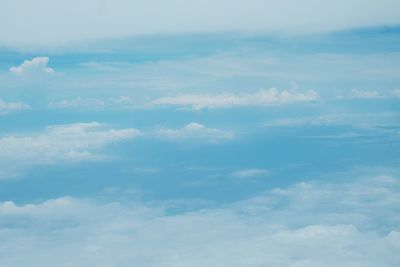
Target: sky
[201, 133]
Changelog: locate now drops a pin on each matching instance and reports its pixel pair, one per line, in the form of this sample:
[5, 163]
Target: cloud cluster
[306, 225]
[195, 131]
[60, 143]
[7, 107]
[261, 98]
[34, 66]
[85, 141]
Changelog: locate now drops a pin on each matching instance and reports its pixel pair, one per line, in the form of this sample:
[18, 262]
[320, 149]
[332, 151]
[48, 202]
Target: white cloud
[7, 107]
[64, 22]
[196, 102]
[94, 103]
[362, 127]
[397, 92]
[60, 143]
[306, 225]
[226, 100]
[356, 93]
[195, 132]
[360, 120]
[34, 66]
[247, 173]
[79, 102]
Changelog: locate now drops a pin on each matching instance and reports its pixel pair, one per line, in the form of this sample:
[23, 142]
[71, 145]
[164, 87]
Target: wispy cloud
[227, 100]
[356, 93]
[195, 132]
[94, 103]
[369, 94]
[361, 120]
[362, 128]
[60, 143]
[249, 173]
[8, 107]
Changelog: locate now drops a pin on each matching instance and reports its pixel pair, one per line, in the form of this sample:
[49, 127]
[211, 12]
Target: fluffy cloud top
[36, 65]
[306, 225]
[76, 21]
[226, 100]
[195, 132]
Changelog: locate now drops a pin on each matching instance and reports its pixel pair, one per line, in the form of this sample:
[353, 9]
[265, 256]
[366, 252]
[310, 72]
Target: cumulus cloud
[34, 66]
[7, 107]
[226, 100]
[60, 143]
[79, 21]
[195, 132]
[308, 224]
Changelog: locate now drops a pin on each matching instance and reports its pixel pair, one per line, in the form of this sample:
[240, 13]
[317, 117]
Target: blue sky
[271, 139]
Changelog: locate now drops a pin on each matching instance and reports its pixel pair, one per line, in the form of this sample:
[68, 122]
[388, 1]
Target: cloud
[397, 92]
[94, 103]
[7, 107]
[34, 66]
[362, 127]
[309, 224]
[195, 132]
[247, 173]
[360, 120]
[79, 21]
[226, 100]
[196, 102]
[79, 102]
[368, 94]
[356, 93]
[60, 143]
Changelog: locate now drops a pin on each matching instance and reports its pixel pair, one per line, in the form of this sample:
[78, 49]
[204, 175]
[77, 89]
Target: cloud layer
[309, 224]
[64, 22]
